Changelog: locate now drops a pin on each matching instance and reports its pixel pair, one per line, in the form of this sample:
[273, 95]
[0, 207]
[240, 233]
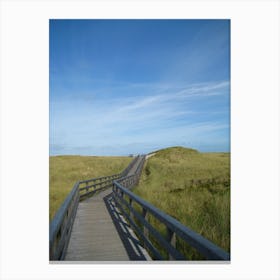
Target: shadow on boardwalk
[132, 245]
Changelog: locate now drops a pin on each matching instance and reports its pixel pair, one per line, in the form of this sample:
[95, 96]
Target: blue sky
[133, 86]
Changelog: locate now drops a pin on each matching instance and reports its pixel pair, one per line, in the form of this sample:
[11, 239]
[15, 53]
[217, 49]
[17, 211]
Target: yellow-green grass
[192, 187]
[66, 170]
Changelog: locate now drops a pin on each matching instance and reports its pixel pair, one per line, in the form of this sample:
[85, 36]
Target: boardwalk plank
[100, 233]
[94, 237]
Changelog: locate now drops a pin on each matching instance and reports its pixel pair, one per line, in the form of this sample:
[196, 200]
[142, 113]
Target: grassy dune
[192, 187]
[66, 170]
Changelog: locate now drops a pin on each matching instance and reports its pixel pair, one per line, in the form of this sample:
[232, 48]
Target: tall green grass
[192, 187]
[66, 170]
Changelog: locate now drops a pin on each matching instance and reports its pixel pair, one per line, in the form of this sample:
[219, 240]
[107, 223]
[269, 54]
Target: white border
[254, 137]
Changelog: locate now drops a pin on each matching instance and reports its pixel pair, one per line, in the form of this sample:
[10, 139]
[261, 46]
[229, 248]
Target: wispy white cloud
[173, 94]
[168, 115]
[204, 89]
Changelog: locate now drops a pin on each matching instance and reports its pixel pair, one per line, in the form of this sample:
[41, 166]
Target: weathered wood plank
[100, 234]
[94, 237]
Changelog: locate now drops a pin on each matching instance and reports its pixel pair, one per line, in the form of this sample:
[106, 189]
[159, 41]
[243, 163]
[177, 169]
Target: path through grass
[66, 170]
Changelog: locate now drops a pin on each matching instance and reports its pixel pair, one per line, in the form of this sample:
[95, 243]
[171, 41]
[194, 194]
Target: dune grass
[65, 171]
[192, 187]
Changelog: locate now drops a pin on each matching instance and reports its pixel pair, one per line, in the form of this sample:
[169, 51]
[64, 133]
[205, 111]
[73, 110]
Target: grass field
[192, 187]
[66, 170]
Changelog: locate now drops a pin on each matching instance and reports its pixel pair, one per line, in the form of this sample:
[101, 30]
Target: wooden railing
[61, 224]
[137, 212]
[128, 168]
[133, 180]
[91, 186]
[129, 204]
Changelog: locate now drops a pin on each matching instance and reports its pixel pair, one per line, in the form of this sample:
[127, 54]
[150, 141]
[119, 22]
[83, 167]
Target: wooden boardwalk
[100, 233]
[95, 230]
[133, 169]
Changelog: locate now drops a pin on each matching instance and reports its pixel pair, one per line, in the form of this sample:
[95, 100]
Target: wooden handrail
[61, 224]
[126, 171]
[132, 180]
[86, 189]
[125, 199]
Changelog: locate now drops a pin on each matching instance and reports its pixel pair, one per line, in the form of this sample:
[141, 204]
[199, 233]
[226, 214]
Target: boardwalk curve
[102, 220]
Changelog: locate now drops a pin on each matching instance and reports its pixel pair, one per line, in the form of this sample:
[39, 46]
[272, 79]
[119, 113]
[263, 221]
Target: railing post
[171, 238]
[131, 212]
[145, 229]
